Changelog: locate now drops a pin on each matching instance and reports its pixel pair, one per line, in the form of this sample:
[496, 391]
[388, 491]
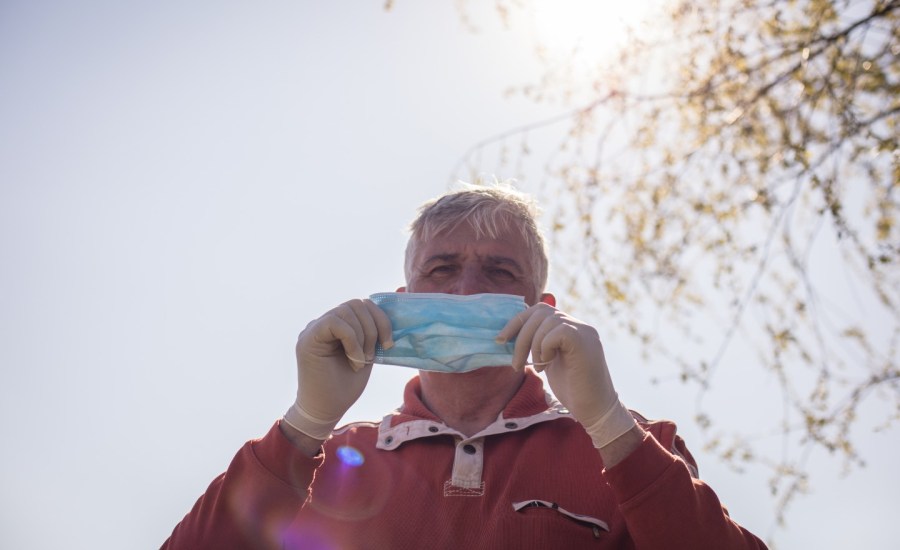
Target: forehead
[465, 240]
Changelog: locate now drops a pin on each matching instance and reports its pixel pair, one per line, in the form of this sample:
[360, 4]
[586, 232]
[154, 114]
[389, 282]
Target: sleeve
[665, 505]
[253, 502]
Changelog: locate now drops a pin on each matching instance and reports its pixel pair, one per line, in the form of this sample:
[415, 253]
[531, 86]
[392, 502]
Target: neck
[469, 402]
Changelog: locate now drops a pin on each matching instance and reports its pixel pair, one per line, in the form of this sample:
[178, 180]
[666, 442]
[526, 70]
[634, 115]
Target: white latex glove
[334, 361]
[572, 355]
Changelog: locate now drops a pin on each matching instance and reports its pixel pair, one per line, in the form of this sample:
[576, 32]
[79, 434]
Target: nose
[470, 281]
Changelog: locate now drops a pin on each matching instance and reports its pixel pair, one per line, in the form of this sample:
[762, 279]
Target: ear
[400, 289]
[548, 299]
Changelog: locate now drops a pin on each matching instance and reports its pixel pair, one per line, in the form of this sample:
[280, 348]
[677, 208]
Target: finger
[347, 327]
[525, 336]
[539, 355]
[547, 342]
[382, 324]
[338, 335]
[513, 326]
[345, 313]
[369, 330]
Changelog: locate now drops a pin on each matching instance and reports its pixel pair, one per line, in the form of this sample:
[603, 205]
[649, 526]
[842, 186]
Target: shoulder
[356, 431]
[665, 432]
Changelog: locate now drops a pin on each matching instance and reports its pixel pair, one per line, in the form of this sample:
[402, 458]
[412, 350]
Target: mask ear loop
[539, 366]
[359, 362]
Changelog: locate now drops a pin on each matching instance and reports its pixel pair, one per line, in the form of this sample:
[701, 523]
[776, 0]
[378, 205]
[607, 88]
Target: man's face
[455, 262]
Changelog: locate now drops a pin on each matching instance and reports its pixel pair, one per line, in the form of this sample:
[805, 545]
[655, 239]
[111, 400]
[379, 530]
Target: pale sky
[184, 186]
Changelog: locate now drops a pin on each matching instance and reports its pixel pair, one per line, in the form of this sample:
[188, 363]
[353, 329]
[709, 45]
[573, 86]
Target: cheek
[531, 297]
[420, 285]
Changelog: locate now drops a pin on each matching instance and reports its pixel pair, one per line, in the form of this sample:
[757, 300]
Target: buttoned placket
[468, 461]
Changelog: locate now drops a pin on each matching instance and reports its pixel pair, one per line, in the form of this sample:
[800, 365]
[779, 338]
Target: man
[479, 459]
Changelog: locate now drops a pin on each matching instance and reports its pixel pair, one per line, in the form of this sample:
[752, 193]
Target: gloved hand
[334, 361]
[572, 355]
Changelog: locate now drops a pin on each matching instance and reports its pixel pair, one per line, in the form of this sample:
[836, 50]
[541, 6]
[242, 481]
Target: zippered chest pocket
[544, 507]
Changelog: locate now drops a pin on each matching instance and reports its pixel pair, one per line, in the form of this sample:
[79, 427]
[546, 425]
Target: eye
[500, 273]
[443, 269]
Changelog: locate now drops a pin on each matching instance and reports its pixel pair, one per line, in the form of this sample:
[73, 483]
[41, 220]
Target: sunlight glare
[588, 29]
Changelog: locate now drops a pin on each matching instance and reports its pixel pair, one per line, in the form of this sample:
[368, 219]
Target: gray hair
[489, 210]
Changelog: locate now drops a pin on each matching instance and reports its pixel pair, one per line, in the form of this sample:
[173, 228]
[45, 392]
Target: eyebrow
[441, 258]
[490, 260]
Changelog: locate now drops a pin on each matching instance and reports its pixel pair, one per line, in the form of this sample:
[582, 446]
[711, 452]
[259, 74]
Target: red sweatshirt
[530, 480]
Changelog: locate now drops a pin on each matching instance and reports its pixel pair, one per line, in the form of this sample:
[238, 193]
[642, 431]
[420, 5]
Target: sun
[588, 29]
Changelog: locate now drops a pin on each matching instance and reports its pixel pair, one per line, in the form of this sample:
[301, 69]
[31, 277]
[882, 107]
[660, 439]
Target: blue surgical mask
[447, 332]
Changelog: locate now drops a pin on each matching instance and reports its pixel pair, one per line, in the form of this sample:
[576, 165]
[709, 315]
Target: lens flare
[350, 456]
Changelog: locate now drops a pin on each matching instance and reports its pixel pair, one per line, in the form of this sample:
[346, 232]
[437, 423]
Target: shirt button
[470, 449]
[511, 425]
[389, 440]
[433, 429]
